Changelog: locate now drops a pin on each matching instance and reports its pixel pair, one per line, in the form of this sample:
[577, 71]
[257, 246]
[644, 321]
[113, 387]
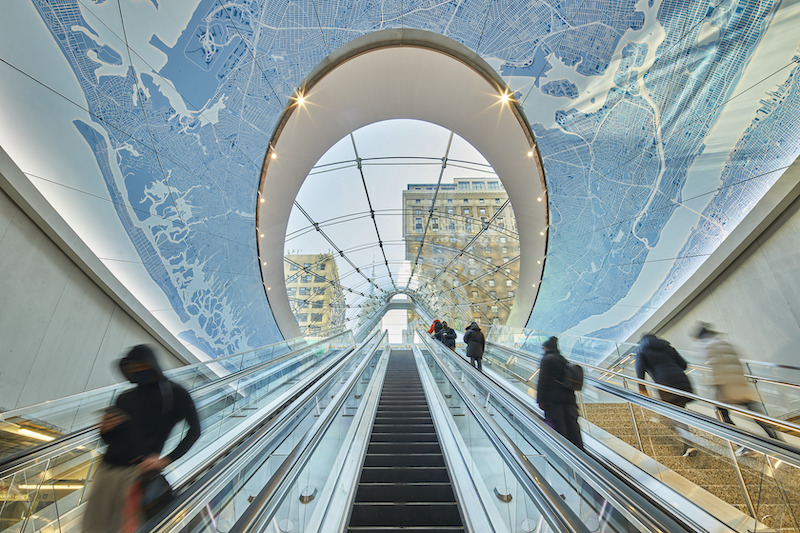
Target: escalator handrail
[238, 452]
[650, 515]
[49, 449]
[168, 373]
[266, 501]
[554, 509]
[782, 450]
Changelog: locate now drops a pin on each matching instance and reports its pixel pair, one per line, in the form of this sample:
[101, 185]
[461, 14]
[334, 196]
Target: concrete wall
[60, 331]
[756, 299]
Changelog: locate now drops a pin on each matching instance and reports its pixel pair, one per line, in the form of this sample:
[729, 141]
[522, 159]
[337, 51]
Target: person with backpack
[476, 343]
[136, 429]
[448, 336]
[555, 393]
[665, 366]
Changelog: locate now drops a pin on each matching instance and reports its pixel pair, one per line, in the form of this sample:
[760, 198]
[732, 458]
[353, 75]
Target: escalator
[44, 486]
[641, 439]
[404, 481]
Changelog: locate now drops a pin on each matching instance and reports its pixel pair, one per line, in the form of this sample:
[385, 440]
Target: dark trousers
[564, 418]
[756, 408]
[477, 363]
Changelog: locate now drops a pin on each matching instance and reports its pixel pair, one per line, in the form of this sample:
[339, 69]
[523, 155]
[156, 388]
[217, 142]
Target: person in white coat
[727, 377]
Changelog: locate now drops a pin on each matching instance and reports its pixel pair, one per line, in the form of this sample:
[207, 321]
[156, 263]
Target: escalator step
[394, 459]
[405, 492]
[405, 514]
[404, 474]
[405, 448]
[404, 437]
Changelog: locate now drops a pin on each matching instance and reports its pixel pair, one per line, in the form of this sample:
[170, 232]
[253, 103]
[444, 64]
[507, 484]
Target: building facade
[471, 248]
[315, 294]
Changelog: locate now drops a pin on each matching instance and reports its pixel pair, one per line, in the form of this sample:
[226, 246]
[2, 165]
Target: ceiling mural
[660, 123]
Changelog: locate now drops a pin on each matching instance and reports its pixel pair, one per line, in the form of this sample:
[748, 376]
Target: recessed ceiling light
[530, 153]
[274, 155]
[262, 200]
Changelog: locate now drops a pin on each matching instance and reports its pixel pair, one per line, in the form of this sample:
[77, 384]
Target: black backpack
[573, 377]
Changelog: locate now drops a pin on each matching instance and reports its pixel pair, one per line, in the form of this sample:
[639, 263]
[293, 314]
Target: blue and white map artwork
[660, 124]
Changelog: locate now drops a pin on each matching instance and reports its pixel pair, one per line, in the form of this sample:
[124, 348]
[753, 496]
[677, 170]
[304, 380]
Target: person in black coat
[658, 358]
[556, 400]
[476, 343]
[447, 336]
[136, 430]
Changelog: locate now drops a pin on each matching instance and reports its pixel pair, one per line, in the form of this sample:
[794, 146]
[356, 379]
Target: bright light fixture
[262, 200]
[530, 153]
[35, 435]
[540, 233]
[274, 155]
[262, 235]
[505, 97]
[301, 100]
[539, 199]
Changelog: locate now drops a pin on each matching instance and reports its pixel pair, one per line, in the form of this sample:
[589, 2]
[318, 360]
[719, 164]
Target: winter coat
[475, 341]
[448, 337]
[432, 329]
[727, 374]
[665, 365]
[551, 374]
[152, 409]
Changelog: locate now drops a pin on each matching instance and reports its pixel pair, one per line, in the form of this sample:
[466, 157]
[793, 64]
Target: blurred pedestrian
[658, 358]
[435, 327]
[727, 377]
[555, 399]
[136, 429]
[476, 344]
[448, 336]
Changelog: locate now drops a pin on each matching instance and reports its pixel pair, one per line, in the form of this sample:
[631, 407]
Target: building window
[418, 224]
[463, 185]
[305, 278]
[494, 309]
[468, 227]
[466, 211]
[478, 185]
[451, 226]
[509, 283]
[302, 317]
[449, 201]
[482, 201]
[450, 211]
[319, 290]
[302, 305]
[474, 294]
[502, 239]
[418, 211]
[504, 249]
[482, 210]
[493, 185]
[319, 279]
[497, 200]
[510, 294]
[306, 266]
[305, 291]
[316, 317]
[294, 267]
[291, 291]
[493, 294]
[435, 224]
[491, 283]
[466, 201]
[321, 266]
[501, 222]
[417, 201]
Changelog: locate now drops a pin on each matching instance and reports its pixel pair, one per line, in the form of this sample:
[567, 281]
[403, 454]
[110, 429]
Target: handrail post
[739, 477]
[633, 418]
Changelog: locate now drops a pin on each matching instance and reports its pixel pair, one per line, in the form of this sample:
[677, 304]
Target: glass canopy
[401, 207]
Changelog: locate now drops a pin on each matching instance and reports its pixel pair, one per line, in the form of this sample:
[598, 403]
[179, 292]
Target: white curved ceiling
[390, 83]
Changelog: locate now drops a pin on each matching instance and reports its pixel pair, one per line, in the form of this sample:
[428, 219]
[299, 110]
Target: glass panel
[220, 407]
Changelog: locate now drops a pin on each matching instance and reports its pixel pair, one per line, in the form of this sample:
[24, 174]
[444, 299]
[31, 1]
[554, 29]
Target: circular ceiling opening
[400, 207]
[416, 76]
